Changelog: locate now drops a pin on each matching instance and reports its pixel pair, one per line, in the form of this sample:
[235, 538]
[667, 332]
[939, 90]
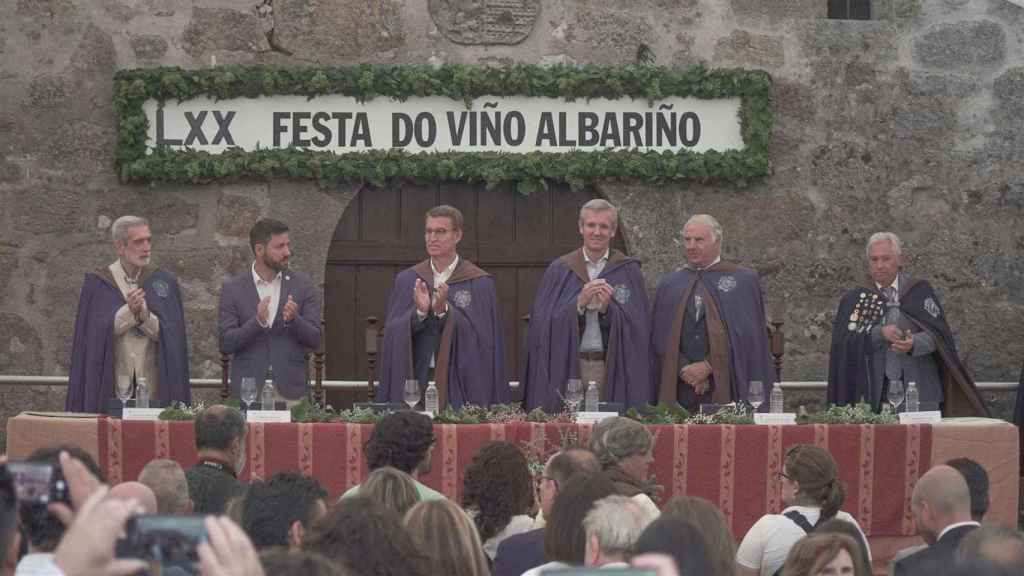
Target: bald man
[138, 491]
[941, 505]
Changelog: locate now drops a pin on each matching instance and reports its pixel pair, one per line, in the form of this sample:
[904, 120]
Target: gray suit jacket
[285, 348]
[919, 366]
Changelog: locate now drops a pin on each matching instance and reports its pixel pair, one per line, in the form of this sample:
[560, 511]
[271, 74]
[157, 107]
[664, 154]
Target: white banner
[340, 124]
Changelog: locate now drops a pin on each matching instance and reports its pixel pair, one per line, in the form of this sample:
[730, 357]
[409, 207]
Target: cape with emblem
[470, 357]
[91, 381]
[737, 332]
[851, 362]
[554, 336]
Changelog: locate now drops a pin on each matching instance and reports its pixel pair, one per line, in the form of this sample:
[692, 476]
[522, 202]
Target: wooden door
[511, 236]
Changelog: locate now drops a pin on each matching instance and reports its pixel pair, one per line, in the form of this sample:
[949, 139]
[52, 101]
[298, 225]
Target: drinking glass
[248, 391]
[573, 393]
[412, 393]
[896, 394]
[123, 389]
[755, 394]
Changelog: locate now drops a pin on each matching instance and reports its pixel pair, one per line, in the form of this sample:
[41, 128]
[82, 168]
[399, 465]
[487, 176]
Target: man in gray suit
[896, 329]
[270, 314]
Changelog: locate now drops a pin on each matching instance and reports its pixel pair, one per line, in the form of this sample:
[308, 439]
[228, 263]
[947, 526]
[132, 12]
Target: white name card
[926, 417]
[268, 416]
[593, 417]
[775, 419]
[141, 413]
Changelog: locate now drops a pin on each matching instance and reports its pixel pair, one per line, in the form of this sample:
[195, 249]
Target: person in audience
[41, 528]
[524, 551]
[660, 564]
[283, 562]
[498, 492]
[941, 504]
[565, 542]
[10, 537]
[280, 511]
[130, 322]
[167, 481]
[812, 493]
[837, 526]
[612, 527]
[680, 539]
[825, 555]
[269, 316]
[137, 491]
[701, 512]
[624, 447]
[977, 485]
[392, 488]
[448, 538]
[999, 546]
[220, 444]
[366, 538]
[402, 440]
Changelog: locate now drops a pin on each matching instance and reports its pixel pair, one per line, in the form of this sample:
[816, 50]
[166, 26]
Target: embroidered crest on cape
[621, 294]
[726, 283]
[161, 288]
[931, 307]
[463, 298]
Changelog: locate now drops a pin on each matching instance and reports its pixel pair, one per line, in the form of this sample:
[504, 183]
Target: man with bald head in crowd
[220, 444]
[521, 552]
[895, 329]
[941, 504]
[167, 481]
[708, 337]
[140, 492]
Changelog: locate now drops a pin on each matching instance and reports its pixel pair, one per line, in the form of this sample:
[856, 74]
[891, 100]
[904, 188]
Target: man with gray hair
[709, 336]
[895, 330]
[130, 325]
[612, 527]
[167, 481]
[590, 320]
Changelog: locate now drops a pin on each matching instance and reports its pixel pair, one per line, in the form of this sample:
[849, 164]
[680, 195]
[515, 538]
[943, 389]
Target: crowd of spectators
[592, 508]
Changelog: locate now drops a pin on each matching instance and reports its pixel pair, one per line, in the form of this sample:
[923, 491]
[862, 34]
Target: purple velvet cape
[91, 381]
[741, 308]
[476, 365]
[553, 342]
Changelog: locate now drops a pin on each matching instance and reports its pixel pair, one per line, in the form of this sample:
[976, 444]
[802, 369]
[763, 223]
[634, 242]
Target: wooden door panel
[380, 215]
[416, 200]
[495, 220]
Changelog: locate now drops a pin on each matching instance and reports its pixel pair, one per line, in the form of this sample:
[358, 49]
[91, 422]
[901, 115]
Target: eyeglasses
[786, 476]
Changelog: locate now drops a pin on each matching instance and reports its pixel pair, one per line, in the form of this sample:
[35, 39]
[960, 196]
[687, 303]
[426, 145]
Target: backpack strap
[800, 521]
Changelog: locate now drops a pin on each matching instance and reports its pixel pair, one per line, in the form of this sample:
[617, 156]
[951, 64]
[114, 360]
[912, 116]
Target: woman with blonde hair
[812, 493]
[392, 488]
[448, 537]
[830, 554]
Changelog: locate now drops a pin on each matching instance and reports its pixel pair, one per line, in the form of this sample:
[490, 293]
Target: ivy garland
[530, 171]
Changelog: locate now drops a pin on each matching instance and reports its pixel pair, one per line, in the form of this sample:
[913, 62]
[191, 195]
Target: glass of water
[573, 393]
[412, 393]
[248, 391]
[755, 394]
[896, 394]
[123, 389]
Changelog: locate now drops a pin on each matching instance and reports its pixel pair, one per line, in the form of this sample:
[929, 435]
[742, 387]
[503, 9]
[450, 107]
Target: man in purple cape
[593, 288]
[709, 336]
[444, 324]
[130, 323]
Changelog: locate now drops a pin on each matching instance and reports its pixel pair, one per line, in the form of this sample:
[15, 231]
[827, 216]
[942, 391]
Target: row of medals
[869, 309]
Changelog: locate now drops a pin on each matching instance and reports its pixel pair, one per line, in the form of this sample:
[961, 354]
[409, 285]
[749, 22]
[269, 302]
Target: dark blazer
[518, 553]
[935, 559]
[286, 348]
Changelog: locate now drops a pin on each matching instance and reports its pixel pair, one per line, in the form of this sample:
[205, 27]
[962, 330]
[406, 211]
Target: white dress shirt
[264, 289]
[38, 564]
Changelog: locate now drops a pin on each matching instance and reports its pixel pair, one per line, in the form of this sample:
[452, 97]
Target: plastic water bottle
[776, 404]
[430, 399]
[592, 397]
[141, 393]
[267, 396]
[913, 398]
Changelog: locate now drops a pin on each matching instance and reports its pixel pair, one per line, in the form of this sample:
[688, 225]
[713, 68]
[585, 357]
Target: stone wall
[911, 122]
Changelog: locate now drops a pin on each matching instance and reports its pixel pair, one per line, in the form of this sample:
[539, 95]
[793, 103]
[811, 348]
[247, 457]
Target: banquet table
[735, 467]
